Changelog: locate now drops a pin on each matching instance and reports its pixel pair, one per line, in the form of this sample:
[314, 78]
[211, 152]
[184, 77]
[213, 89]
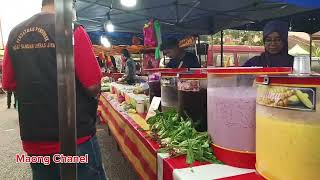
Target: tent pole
[198, 52]
[211, 47]
[221, 48]
[164, 59]
[310, 49]
[1, 36]
[66, 86]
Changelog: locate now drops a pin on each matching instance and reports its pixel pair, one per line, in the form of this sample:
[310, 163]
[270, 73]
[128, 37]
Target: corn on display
[283, 97]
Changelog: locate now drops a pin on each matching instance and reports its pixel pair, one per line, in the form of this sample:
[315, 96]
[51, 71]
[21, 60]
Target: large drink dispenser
[232, 113]
[169, 90]
[192, 98]
[154, 81]
[288, 127]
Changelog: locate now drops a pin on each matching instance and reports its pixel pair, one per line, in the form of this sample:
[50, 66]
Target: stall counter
[141, 151]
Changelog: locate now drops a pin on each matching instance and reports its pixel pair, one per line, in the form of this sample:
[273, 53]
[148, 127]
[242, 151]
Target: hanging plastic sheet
[157, 30]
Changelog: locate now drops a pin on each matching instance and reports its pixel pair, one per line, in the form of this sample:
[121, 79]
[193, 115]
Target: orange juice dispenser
[232, 113]
[288, 127]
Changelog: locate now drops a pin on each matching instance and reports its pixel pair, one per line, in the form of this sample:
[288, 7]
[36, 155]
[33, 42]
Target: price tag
[153, 107]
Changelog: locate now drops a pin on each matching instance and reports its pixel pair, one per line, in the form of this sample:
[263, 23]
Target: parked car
[233, 56]
[315, 64]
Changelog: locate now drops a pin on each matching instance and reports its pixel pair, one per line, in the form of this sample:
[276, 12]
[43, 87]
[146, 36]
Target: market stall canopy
[307, 21]
[302, 3]
[185, 16]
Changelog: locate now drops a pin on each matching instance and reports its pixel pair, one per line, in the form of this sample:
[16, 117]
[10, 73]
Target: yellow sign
[188, 41]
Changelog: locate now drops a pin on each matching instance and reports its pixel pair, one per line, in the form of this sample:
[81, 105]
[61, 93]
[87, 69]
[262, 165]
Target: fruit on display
[128, 107]
[133, 111]
[284, 97]
[293, 100]
[105, 84]
[304, 98]
[140, 88]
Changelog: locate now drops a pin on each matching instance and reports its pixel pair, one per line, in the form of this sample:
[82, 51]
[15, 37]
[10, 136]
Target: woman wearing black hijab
[275, 37]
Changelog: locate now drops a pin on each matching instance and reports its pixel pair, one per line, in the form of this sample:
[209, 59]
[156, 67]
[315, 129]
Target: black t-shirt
[189, 61]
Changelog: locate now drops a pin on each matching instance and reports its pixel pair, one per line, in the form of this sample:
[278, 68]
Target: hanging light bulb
[105, 42]
[128, 3]
[109, 26]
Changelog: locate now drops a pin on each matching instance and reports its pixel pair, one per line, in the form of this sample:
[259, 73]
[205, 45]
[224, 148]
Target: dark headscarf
[283, 59]
[126, 53]
[279, 27]
[113, 61]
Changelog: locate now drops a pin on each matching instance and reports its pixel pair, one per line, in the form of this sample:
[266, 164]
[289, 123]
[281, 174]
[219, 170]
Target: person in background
[275, 38]
[9, 95]
[130, 68]
[114, 64]
[31, 71]
[102, 64]
[179, 57]
[138, 67]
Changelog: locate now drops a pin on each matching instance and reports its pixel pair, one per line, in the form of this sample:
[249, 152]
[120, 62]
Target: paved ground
[10, 145]
[115, 164]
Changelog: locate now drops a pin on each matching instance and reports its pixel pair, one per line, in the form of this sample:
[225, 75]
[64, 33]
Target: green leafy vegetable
[177, 137]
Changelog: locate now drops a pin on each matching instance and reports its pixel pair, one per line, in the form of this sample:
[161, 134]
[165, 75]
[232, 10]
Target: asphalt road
[116, 166]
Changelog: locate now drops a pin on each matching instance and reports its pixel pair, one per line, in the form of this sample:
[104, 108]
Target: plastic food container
[169, 91]
[232, 113]
[140, 106]
[154, 88]
[192, 98]
[288, 127]
[154, 80]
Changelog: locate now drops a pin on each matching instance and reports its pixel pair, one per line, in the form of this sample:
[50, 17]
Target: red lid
[155, 70]
[173, 72]
[169, 74]
[198, 70]
[193, 76]
[296, 81]
[251, 70]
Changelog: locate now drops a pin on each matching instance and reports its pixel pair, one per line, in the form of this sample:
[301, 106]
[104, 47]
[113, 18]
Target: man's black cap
[169, 44]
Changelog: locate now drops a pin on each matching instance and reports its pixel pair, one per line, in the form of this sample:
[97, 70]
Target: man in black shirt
[179, 58]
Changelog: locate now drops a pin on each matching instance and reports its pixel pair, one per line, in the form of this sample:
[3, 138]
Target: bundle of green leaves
[177, 137]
